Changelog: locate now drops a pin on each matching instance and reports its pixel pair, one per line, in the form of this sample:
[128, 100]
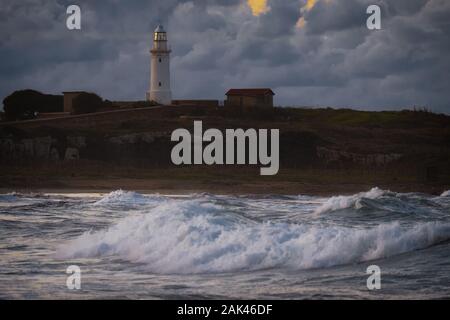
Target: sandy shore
[170, 186]
[238, 181]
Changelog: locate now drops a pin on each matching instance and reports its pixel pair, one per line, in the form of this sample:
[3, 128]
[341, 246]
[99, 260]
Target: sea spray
[193, 236]
[258, 247]
[120, 196]
[344, 202]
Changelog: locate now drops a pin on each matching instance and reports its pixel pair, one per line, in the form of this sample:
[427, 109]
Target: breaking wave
[446, 194]
[195, 236]
[121, 197]
[345, 202]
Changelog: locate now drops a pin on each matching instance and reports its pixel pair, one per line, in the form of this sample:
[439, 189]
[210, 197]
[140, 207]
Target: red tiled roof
[249, 92]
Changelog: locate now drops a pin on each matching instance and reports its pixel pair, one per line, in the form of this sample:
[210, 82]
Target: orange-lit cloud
[301, 23]
[308, 7]
[258, 6]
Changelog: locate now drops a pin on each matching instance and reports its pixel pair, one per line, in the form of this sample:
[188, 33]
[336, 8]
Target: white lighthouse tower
[160, 68]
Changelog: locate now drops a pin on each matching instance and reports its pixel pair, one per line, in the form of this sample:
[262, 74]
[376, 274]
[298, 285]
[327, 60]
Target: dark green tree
[26, 104]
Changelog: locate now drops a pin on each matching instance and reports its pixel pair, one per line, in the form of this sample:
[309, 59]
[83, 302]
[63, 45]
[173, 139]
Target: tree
[25, 104]
[22, 104]
[86, 103]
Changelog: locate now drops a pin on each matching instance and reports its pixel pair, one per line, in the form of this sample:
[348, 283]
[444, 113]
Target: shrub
[25, 104]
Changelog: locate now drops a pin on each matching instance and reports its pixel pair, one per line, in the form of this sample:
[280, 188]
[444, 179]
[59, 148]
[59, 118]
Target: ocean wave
[9, 197]
[194, 236]
[345, 202]
[121, 197]
[446, 194]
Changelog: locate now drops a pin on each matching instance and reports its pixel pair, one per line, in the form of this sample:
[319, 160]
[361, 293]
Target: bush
[108, 104]
[25, 104]
[86, 103]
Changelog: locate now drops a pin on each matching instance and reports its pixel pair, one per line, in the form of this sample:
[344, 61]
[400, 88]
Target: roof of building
[159, 28]
[250, 92]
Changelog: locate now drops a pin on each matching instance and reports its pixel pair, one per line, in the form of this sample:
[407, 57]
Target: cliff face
[297, 149]
[38, 149]
[330, 156]
[320, 139]
[128, 147]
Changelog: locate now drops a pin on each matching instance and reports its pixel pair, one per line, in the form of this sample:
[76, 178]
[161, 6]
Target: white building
[160, 68]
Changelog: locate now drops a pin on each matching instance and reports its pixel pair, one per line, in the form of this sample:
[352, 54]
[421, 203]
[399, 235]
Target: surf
[200, 235]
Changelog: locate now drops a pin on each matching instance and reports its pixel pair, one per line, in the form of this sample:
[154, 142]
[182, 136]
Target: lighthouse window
[159, 84]
[160, 36]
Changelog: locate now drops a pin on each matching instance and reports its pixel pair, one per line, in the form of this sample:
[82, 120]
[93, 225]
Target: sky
[310, 52]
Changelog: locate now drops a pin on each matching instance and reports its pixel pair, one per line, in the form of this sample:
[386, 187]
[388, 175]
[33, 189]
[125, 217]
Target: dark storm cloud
[332, 59]
[335, 16]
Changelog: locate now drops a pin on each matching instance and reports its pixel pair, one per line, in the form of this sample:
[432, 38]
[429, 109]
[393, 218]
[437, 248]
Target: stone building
[68, 99]
[250, 98]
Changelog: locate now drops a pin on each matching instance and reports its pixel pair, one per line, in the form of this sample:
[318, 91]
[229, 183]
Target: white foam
[196, 237]
[124, 197]
[344, 202]
[446, 194]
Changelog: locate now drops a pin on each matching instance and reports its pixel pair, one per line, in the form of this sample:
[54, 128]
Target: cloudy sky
[311, 52]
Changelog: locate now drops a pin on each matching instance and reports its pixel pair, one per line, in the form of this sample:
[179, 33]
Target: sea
[128, 245]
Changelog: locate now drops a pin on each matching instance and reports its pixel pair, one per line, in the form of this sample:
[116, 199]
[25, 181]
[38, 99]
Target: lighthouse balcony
[158, 51]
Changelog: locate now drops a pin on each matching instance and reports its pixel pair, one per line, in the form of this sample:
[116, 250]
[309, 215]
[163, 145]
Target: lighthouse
[160, 68]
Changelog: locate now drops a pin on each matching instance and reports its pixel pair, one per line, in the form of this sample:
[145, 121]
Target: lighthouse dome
[160, 28]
